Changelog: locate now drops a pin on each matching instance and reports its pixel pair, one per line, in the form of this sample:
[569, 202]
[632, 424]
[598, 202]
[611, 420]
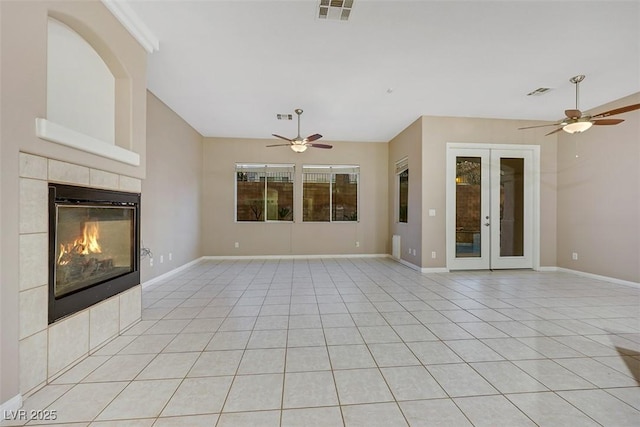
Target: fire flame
[84, 245]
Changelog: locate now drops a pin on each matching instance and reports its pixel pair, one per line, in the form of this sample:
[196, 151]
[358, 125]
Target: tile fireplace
[94, 246]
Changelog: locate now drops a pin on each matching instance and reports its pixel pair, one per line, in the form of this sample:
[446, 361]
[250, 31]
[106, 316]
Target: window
[402, 170]
[330, 193]
[264, 192]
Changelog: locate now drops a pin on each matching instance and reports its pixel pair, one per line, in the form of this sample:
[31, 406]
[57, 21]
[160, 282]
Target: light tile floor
[362, 342]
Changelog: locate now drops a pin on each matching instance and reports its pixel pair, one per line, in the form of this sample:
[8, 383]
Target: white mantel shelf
[59, 134]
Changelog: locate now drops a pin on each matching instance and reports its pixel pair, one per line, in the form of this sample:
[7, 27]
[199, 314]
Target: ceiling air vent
[539, 91]
[335, 10]
[284, 116]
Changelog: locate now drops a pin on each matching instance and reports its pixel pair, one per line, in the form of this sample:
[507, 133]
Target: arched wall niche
[108, 91]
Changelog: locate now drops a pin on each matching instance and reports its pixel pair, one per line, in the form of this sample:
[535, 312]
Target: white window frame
[331, 169]
[266, 166]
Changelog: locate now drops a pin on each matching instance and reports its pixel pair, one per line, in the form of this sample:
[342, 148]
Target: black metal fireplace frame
[61, 194]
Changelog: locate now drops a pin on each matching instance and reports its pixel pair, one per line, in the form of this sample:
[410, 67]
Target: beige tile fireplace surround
[46, 351]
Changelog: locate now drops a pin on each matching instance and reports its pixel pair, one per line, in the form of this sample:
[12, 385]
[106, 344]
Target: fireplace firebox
[94, 246]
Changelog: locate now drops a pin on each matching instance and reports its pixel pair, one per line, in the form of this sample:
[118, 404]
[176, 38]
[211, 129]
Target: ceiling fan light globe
[577, 127]
[299, 148]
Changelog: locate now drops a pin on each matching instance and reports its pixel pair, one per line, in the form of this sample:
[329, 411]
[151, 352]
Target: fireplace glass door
[93, 244]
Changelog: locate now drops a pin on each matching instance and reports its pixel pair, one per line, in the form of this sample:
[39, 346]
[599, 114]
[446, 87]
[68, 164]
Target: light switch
[432, 212]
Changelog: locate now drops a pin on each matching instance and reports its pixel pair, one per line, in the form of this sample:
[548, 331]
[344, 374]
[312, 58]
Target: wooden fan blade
[539, 126]
[281, 137]
[552, 132]
[313, 137]
[607, 122]
[617, 111]
[573, 114]
[279, 145]
[320, 145]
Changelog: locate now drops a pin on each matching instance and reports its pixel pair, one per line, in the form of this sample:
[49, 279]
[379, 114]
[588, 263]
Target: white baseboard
[546, 268]
[435, 270]
[170, 273]
[598, 277]
[407, 263]
[12, 404]
[323, 256]
[420, 269]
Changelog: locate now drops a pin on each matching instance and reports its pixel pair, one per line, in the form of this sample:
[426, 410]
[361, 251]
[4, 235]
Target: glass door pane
[468, 207]
[403, 196]
[511, 206]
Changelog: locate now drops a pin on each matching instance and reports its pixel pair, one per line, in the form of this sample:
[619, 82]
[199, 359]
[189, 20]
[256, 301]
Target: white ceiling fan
[575, 122]
[298, 144]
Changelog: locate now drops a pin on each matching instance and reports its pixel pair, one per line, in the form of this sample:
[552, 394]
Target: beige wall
[407, 144]
[171, 192]
[220, 231]
[437, 132]
[428, 157]
[599, 197]
[24, 59]
[23, 38]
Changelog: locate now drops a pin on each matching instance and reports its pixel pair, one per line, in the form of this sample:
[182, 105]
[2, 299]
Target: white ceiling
[228, 67]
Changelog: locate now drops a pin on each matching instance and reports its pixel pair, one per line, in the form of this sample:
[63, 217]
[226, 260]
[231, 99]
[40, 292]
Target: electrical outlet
[357, 244]
[574, 256]
[161, 259]
[237, 244]
[170, 256]
[433, 254]
[150, 262]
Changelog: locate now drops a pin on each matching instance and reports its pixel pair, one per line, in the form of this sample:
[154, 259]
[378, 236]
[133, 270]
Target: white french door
[491, 206]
